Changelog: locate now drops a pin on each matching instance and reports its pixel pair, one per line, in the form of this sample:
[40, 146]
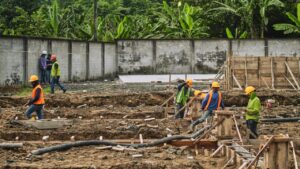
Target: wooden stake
[265, 82]
[196, 150]
[290, 82]
[217, 150]
[289, 69]
[246, 72]
[141, 139]
[173, 95]
[228, 162]
[260, 152]
[272, 73]
[237, 82]
[244, 164]
[237, 129]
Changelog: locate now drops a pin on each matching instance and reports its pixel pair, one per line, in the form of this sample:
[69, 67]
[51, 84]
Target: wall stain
[210, 62]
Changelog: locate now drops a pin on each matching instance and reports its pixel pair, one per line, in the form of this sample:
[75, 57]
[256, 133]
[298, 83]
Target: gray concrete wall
[110, 59]
[174, 56]
[11, 61]
[95, 61]
[135, 56]
[78, 61]
[19, 56]
[248, 48]
[35, 48]
[284, 47]
[60, 49]
[210, 55]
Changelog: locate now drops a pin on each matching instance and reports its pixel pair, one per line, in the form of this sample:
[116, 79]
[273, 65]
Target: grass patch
[26, 90]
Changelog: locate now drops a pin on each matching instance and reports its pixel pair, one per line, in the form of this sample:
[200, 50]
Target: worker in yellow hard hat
[252, 110]
[212, 101]
[184, 92]
[37, 101]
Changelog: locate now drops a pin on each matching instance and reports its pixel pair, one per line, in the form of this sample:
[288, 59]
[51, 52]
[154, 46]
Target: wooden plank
[290, 82]
[237, 129]
[260, 152]
[11, 145]
[46, 124]
[294, 155]
[217, 151]
[237, 82]
[290, 71]
[228, 163]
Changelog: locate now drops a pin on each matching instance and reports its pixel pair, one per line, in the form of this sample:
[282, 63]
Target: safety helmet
[215, 84]
[53, 57]
[249, 89]
[44, 52]
[33, 78]
[189, 82]
[197, 92]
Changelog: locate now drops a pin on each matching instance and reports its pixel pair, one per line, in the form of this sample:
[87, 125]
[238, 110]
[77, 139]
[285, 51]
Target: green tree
[290, 28]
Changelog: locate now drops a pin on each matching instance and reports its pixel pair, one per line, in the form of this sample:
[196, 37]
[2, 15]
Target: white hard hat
[44, 52]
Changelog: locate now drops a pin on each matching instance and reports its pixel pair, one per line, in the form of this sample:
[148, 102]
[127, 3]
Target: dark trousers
[179, 115]
[43, 76]
[252, 125]
[48, 77]
[35, 108]
[55, 80]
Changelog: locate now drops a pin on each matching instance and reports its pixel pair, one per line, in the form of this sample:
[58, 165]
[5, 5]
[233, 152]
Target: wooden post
[237, 129]
[246, 72]
[289, 69]
[276, 156]
[224, 130]
[272, 73]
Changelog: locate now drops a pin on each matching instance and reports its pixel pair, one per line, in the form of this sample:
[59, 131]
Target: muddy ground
[118, 111]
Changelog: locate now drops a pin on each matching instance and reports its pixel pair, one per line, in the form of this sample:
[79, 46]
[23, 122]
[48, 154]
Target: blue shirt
[214, 101]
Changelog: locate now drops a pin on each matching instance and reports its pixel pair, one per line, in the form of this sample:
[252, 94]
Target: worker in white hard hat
[43, 67]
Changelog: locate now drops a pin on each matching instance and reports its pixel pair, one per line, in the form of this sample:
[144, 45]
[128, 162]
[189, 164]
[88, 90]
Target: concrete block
[284, 47]
[110, 59]
[210, 55]
[78, 61]
[95, 61]
[248, 48]
[12, 61]
[135, 56]
[173, 56]
[60, 49]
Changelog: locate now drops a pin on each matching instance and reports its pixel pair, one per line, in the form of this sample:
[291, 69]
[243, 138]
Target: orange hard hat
[33, 78]
[189, 82]
[53, 57]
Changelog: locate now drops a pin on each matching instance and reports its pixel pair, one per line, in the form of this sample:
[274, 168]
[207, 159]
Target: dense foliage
[150, 19]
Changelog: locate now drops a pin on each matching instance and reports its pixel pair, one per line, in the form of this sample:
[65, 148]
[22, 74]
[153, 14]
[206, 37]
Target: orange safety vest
[41, 99]
[209, 100]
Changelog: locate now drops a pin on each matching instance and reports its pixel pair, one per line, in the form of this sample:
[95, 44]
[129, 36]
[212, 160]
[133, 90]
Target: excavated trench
[120, 116]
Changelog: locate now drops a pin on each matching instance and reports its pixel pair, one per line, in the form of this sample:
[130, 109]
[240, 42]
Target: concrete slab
[46, 124]
[164, 78]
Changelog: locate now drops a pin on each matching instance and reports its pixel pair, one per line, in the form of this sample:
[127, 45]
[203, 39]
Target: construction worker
[37, 101]
[212, 101]
[184, 92]
[252, 110]
[55, 75]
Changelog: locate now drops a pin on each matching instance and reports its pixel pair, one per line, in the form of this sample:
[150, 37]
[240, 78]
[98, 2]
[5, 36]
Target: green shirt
[182, 97]
[253, 108]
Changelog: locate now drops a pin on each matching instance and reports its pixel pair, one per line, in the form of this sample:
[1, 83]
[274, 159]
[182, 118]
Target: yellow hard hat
[33, 78]
[197, 92]
[189, 82]
[249, 89]
[202, 96]
[215, 84]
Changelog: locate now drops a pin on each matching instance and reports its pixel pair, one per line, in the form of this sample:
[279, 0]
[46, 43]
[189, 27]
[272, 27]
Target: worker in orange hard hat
[184, 92]
[37, 101]
[55, 74]
[212, 101]
[252, 110]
